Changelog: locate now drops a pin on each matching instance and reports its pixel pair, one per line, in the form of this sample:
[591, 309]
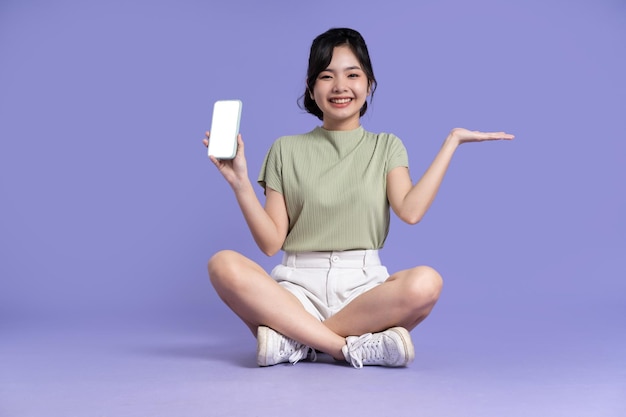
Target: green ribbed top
[335, 188]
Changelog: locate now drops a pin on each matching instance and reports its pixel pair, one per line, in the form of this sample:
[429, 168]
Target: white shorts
[325, 282]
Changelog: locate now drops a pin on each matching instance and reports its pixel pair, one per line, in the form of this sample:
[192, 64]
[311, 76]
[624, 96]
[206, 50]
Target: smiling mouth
[340, 100]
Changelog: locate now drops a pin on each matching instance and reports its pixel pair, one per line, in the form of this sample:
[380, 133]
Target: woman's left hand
[460, 135]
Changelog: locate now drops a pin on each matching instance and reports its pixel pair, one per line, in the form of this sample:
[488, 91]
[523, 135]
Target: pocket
[281, 273]
[376, 274]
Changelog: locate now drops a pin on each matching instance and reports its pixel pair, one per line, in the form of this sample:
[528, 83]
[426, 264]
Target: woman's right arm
[268, 224]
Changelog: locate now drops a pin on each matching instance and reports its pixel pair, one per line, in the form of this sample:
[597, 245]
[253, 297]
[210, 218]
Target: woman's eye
[324, 77]
[354, 75]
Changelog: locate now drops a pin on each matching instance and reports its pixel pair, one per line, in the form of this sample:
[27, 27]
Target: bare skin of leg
[254, 296]
[405, 299]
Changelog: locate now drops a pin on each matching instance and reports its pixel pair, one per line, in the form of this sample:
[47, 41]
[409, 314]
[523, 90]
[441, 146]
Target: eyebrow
[354, 67]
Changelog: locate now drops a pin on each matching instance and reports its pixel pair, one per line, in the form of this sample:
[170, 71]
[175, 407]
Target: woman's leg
[404, 300]
[259, 300]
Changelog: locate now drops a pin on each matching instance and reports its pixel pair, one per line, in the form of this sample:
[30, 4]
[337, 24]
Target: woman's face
[341, 90]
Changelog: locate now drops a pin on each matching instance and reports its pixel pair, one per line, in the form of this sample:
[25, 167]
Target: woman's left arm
[410, 202]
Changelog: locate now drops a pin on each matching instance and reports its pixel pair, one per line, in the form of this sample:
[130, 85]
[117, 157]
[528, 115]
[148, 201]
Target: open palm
[461, 135]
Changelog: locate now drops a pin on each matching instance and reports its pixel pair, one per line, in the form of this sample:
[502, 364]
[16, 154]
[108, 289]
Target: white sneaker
[393, 347]
[273, 348]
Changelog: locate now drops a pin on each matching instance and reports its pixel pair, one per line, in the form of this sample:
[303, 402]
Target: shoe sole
[407, 343]
[262, 335]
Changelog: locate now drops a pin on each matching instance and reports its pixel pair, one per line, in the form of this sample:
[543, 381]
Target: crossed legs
[404, 299]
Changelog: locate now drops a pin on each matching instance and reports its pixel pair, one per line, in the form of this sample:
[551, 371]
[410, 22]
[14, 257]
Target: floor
[208, 369]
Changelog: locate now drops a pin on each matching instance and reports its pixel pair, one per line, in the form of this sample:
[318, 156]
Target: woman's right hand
[235, 170]
[268, 224]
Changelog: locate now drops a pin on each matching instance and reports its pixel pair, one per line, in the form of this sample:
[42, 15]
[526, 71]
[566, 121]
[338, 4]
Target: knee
[222, 267]
[424, 286]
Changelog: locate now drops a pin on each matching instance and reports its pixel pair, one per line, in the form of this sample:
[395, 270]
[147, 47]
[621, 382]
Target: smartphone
[224, 129]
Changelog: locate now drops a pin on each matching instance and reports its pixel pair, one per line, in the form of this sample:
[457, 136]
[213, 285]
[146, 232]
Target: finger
[205, 142]
[239, 144]
[502, 135]
[215, 161]
[498, 136]
[207, 134]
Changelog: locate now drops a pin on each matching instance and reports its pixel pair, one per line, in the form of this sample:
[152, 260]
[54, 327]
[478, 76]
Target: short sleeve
[271, 170]
[397, 154]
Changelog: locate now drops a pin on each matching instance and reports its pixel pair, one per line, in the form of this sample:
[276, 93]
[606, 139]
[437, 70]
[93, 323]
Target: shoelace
[359, 351]
[301, 353]
[298, 350]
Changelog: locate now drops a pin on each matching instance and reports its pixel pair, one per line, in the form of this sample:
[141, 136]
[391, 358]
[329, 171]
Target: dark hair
[322, 53]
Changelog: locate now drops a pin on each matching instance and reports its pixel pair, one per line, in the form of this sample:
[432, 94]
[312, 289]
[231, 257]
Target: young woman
[328, 194]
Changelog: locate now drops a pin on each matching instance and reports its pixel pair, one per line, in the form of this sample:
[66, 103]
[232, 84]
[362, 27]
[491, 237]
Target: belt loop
[289, 259]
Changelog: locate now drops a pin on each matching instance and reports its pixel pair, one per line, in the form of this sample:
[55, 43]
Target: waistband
[335, 259]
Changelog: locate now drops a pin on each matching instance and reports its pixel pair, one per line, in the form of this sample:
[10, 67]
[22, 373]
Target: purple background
[109, 207]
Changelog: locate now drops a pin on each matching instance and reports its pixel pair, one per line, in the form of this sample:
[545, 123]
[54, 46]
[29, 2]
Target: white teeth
[340, 100]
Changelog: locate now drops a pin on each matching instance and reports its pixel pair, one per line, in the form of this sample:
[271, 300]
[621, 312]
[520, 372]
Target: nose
[339, 85]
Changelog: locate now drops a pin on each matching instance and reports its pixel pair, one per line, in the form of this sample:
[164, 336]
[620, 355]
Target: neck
[341, 124]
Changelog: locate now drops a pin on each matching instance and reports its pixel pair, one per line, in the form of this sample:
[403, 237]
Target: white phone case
[224, 129]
